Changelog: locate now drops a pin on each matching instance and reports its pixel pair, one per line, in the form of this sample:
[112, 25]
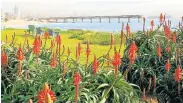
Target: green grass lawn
[99, 50]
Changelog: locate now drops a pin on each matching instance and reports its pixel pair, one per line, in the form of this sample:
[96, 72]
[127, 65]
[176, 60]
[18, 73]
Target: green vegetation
[100, 38]
[31, 28]
[21, 85]
[149, 66]
[70, 42]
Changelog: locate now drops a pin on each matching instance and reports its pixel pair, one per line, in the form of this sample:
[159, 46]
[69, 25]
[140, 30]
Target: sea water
[113, 26]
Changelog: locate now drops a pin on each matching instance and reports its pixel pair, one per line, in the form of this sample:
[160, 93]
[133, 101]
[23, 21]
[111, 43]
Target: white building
[16, 12]
[2, 16]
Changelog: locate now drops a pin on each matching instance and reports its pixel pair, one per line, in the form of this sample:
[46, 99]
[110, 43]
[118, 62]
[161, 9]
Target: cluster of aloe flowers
[46, 95]
[164, 44]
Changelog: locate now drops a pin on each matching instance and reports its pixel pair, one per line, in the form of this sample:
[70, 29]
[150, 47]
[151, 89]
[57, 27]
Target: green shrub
[147, 65]
[100, 38]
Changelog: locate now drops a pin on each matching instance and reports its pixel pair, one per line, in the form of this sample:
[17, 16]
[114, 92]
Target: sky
[51, 8]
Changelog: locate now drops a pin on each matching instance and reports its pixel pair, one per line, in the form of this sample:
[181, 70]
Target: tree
[32, 28]
[57, 30]
[44, 29]
[39, 30]
[51, 32]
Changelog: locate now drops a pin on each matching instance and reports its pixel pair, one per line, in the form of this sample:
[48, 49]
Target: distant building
[16, 12]
[2, 19]
[2, 16]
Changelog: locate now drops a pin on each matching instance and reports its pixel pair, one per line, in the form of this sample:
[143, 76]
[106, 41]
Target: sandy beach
[20, 22]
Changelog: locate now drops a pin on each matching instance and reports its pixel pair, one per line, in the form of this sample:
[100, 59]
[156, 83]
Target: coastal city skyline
[84, 8]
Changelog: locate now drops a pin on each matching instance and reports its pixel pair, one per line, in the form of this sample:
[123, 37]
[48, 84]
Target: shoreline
[20, 22]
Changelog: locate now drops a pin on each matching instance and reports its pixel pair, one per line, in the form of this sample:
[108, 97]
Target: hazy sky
[95, 7]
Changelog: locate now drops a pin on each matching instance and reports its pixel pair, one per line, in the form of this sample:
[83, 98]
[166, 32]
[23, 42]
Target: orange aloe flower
[127, 29]
[152, 25]
[116, 62]
[132, 52]
[20, 57]
[167, 31]
[54, 61]
[4, 58]
[20, 54]
[46, 35]
[161, 18]
[79, 49]
[158, 51]
[37, 47]
[174, 35]
[58, 41]
[77, 80]
[95, 65]
[88, 51]
[168, 66]
[46, 95]
[178, 77]
[168, 49]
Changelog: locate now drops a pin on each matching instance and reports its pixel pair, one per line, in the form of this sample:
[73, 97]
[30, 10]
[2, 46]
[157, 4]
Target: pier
[82, 18]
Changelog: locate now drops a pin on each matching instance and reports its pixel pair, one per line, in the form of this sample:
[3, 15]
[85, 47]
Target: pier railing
[82, 18]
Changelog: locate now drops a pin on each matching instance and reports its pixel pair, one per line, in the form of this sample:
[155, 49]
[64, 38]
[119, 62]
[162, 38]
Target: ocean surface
[113, 26]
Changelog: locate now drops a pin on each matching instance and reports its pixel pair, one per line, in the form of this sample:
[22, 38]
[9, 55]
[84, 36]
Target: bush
[100, 38]
[148, 64]
[102, 87]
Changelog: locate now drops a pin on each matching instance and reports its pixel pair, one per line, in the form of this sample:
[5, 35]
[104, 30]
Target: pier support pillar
[118, 20]
[138, 20]
[82, 19]
[65, 20]
[109, 20]
[90, 20]
[100, 20]
[128, 19]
